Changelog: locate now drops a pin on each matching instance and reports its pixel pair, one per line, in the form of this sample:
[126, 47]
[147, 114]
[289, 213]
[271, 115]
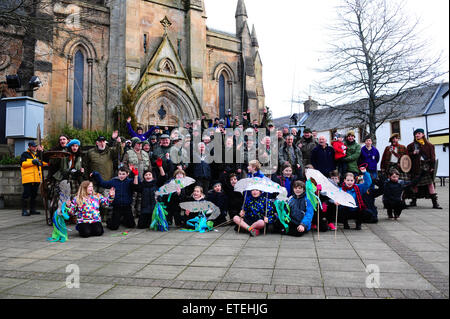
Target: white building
[426, 108]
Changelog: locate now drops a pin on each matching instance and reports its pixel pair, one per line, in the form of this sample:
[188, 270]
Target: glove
[36, 162]
[159, 162]
[135, 171]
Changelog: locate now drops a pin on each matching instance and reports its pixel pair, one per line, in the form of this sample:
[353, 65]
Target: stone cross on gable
[165, 23]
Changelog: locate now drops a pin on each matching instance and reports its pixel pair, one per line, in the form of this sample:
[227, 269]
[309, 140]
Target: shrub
[86, 137]
[8, 160]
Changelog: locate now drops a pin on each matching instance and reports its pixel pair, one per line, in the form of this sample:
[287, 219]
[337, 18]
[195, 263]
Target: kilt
[427, 177]
[403, 176]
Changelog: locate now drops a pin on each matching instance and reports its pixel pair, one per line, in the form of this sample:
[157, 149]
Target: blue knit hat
[73, 142]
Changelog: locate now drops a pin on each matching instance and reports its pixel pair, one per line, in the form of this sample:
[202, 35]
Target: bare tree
[25, 22]
[376, 55]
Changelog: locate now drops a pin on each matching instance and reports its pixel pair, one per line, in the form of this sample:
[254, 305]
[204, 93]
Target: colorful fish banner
[329, 190]
[262, 184]
[205, 207]
[174, 185]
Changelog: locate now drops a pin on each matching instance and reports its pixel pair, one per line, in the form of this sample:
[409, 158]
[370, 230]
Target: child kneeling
[258, 211]
[301, 211]
[124, 187]
[86, 207]
[356, 190]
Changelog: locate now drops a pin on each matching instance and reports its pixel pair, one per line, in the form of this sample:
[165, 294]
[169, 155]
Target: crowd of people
[125, 175]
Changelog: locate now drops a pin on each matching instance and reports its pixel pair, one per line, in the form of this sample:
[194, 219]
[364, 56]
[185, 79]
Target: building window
[78, 90]
[332, 134]
[395, 128]
[362, 134]
[145, 44]
[179, 47]
[222, 96]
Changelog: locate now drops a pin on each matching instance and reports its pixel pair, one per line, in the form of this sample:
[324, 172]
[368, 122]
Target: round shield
[405, 163]
[55, 154]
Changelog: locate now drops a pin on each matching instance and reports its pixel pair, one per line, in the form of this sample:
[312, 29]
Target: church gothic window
[222, 96]
[224, 76]
[81, 58]
[78, 90]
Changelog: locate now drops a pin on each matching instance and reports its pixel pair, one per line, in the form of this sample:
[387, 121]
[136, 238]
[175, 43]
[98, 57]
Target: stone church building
[180, 68]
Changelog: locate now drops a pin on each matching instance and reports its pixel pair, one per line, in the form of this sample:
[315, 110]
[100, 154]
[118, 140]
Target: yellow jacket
[30, 173]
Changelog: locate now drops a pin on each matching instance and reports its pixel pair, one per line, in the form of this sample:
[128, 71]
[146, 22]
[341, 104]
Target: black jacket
[148, 189]
[218, 199]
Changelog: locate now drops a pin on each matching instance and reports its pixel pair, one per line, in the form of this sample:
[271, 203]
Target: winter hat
[73, 142]
[215, 183]
[419, 130]
[393, 136]
[350, 133]
[135, 140]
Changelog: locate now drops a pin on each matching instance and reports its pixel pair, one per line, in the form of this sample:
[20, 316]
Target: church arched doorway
[165, 104]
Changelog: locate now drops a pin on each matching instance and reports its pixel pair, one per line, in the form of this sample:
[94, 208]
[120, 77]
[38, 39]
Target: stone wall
[11, 187]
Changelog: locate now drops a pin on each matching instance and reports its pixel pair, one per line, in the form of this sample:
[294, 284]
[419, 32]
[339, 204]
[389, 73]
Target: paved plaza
[412, 256]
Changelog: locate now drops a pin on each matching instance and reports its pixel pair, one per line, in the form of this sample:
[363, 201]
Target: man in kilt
[391, 157]
[423, 159]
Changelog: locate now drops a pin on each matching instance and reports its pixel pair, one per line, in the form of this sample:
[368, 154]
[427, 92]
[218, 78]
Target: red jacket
[340, 149]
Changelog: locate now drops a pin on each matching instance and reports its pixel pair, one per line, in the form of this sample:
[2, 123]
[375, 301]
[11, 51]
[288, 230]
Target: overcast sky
[291, 35]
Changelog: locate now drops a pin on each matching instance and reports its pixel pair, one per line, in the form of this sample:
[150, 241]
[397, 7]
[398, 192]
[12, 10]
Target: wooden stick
[267, 199]
[336, 224]
[243, 204]
[318, 219]
[223, 224]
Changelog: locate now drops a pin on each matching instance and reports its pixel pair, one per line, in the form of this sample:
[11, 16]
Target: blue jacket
[371, 157]
[302, 211]
[323, 159]
[124, 189]
[142, 137]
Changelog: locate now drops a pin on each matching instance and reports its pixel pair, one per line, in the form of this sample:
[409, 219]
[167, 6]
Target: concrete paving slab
[250, 276]
[249, 261]
[297, 263]
[85, 291]
[169, 293]
[295, 277]
[159, 272]
[35, 288]
[213, 261]
[217, 294]
[7, 283]
[130, 292]
[119, 270]
[202, 273]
